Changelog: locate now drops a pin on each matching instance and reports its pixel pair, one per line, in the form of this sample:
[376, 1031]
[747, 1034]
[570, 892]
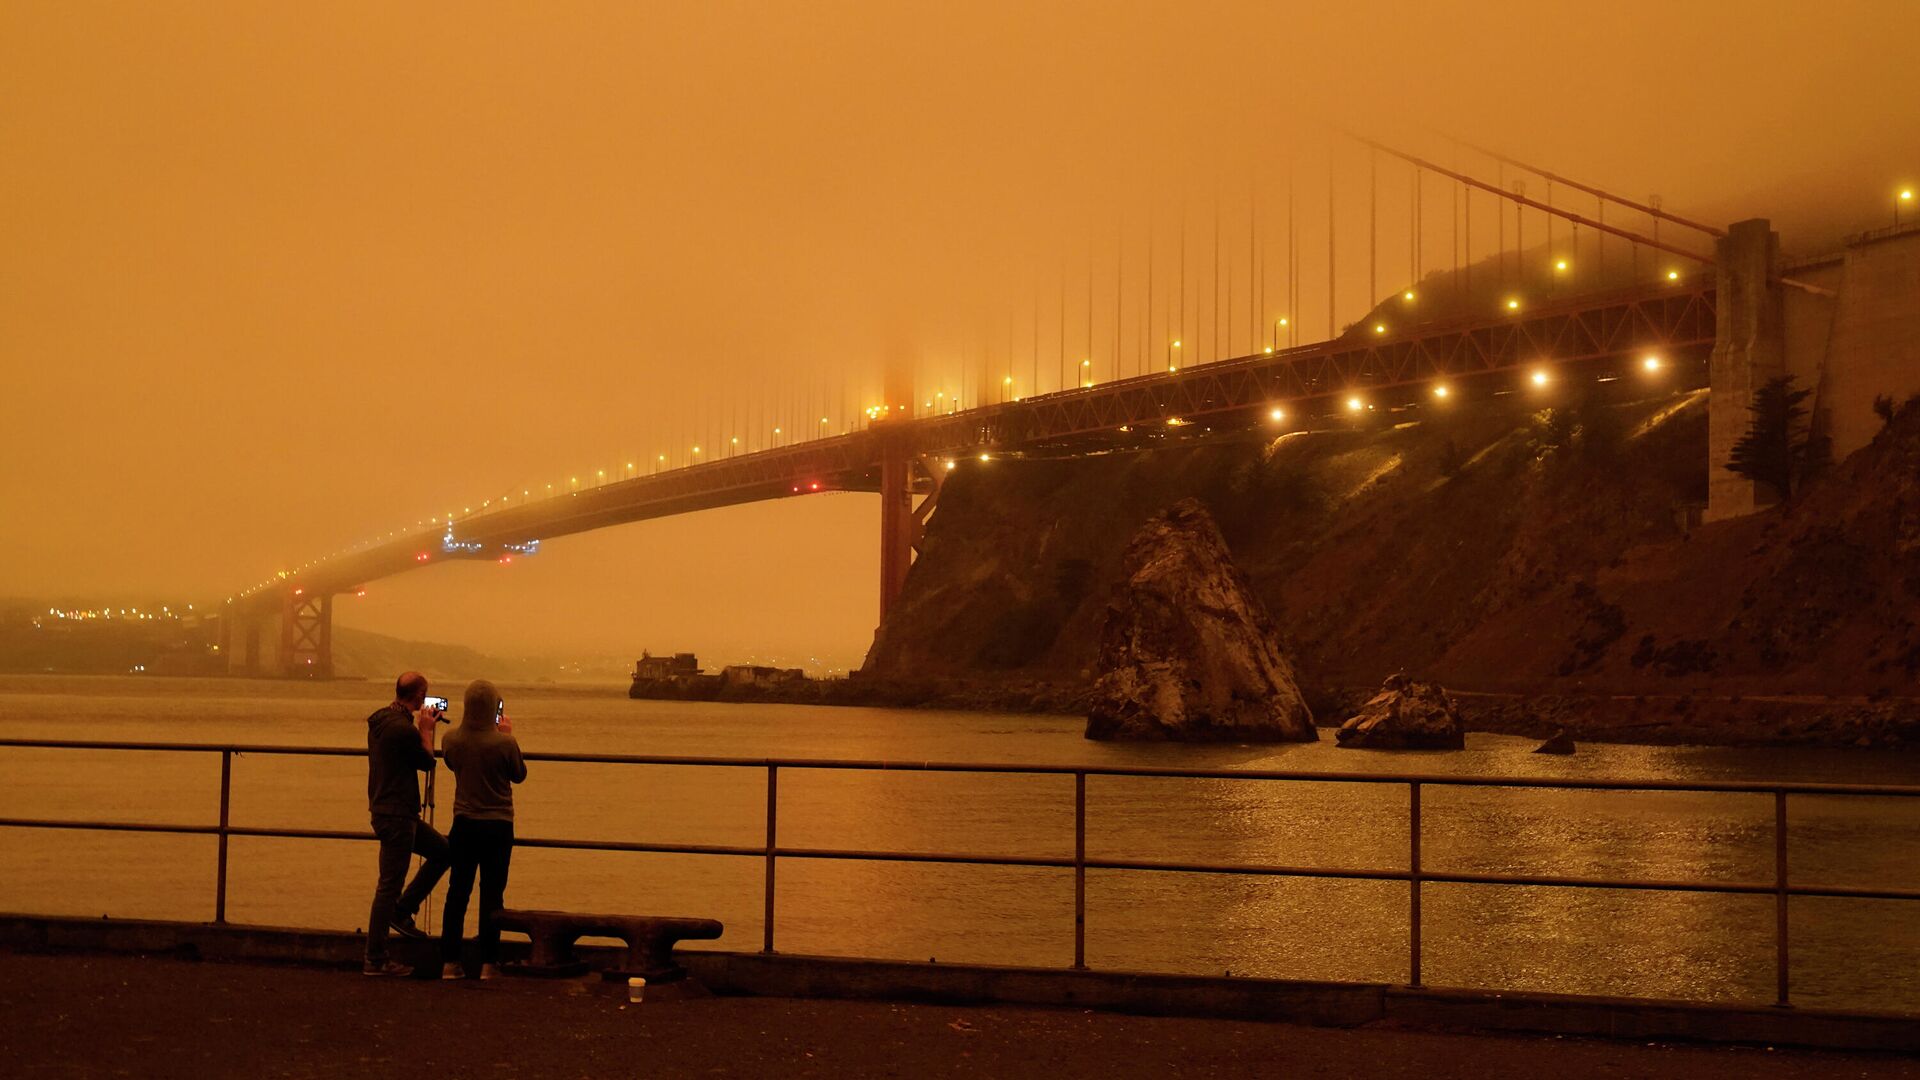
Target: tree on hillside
[1779, 448]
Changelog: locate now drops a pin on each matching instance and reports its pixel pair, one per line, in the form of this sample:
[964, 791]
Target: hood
[482, 700]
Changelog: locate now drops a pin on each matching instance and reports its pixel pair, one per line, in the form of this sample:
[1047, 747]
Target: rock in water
[1559, 743]
[1187, 652]
[1405, 715]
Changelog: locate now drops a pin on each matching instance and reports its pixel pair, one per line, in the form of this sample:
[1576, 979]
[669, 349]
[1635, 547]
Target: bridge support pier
[1749, 348]
[240, 635]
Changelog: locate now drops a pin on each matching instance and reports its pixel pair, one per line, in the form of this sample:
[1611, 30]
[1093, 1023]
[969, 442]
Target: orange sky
[276, 277]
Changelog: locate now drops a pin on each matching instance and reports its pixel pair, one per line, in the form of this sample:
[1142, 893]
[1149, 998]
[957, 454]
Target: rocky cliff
[1502, 546]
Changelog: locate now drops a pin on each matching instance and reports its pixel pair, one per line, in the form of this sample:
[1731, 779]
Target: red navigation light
[505, 559]
[422, 557]
[360, 592]
[815, 485]
[299, 592]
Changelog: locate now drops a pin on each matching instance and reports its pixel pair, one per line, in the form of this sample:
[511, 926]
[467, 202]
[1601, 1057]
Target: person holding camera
[485, 760]
[399, 748]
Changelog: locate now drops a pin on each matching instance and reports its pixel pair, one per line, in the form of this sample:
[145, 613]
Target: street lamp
[1905, 196]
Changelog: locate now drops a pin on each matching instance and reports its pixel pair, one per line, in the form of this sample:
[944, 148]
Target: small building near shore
[678, 666]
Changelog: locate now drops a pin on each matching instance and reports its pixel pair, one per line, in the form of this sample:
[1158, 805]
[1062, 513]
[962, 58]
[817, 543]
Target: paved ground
[100, 1016]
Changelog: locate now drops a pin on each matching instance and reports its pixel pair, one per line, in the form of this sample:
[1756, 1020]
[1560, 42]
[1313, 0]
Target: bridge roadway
[899, 458]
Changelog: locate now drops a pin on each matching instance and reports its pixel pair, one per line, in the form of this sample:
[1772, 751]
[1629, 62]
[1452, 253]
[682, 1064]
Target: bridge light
[1513, 304]
[1086, 363]
[1277, 415]
[422, 557]
[1673, 275]
[815, 486]
[984, 457]
[1379, 328]
[1651, 363]
[696, 449]
[1906, 194]
[949, 464]
[1283, 320]
[1269, 350]
[1560, 265]
[1176, 344]
[1407, 296]
[776, 431]
[1171, 368]
[736, 440]
[1354, 404]
[1539, 376]
[1440, 390]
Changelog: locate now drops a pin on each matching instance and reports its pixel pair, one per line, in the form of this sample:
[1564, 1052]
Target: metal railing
[1415, 874]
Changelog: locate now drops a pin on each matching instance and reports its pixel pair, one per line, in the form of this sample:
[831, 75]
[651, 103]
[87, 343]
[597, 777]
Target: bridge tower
[306, 635]
[899, 530]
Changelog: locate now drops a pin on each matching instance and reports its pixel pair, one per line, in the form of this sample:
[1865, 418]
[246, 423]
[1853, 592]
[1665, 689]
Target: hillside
[1498, 546]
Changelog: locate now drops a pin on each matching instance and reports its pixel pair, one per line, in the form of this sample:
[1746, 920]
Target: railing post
[1780, 894]
[773, 804]
[1413, 882]
[1079, 871]
[220, 871]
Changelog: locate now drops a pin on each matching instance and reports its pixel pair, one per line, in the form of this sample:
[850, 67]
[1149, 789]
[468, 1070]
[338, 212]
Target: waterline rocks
[1187, 652]
[1558, 743]
[1406, 714]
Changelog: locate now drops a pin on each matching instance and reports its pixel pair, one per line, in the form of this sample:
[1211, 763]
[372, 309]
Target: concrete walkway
[99, 1015]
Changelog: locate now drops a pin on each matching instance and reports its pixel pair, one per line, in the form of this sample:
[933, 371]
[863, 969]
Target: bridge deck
[1672, 318]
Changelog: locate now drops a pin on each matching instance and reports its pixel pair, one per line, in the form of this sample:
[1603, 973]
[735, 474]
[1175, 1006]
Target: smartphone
[437, 704]
[499, 710]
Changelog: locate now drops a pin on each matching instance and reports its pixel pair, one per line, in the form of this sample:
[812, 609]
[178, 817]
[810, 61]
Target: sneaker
[385, 968]
[452, 971]
[403, 925]
[489, 971]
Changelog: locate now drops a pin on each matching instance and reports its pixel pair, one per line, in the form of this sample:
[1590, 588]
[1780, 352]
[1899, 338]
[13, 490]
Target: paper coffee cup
[636, 989]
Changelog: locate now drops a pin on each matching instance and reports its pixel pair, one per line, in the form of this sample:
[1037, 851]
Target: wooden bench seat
[649, 939]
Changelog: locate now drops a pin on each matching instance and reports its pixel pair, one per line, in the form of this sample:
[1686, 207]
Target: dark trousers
[486, 846]
[402, 837]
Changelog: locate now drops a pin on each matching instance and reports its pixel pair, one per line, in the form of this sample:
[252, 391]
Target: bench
[650, 940]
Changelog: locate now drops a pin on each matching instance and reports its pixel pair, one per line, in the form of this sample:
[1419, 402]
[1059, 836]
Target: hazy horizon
[276, 280]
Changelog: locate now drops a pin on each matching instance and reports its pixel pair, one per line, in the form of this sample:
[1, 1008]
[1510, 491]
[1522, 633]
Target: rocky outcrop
[1405, 715]
[1558, 743]
[1187, 652]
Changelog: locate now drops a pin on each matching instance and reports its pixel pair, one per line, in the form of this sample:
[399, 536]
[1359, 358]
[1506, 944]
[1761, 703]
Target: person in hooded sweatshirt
[485, 760]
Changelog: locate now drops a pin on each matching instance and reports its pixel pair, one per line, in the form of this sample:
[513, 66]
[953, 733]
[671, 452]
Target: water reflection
[1859, 953]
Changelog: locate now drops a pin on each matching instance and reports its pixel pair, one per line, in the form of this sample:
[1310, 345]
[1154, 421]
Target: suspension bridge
[1681, 300]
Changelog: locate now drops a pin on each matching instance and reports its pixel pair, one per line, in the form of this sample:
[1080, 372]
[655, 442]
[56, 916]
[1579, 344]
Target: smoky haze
[277, 278]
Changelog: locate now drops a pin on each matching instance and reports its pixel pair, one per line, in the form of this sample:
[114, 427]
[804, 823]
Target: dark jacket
[486, 763]
[395, 757]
